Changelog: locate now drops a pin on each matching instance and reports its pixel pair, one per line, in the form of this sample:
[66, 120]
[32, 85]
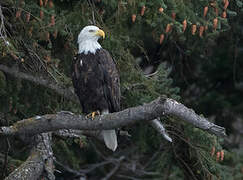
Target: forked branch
[147, 112]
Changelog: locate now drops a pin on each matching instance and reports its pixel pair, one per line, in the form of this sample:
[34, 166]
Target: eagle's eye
[91, 30]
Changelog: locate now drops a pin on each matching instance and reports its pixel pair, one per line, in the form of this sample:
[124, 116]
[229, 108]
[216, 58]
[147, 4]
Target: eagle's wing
[111, 79]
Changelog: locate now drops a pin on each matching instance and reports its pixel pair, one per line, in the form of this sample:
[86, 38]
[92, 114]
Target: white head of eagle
[88, 39]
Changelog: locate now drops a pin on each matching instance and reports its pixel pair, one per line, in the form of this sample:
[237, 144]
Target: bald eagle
[96, 79]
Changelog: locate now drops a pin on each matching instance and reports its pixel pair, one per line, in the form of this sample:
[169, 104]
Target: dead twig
[114, 170]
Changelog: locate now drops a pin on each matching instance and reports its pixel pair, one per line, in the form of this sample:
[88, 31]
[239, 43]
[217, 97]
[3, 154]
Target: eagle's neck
[88, 46]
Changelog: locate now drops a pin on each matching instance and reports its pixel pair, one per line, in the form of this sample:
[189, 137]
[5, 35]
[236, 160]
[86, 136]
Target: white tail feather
[110, 139]
[109, 135]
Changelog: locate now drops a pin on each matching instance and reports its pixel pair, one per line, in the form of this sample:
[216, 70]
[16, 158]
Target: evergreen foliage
[196, 55]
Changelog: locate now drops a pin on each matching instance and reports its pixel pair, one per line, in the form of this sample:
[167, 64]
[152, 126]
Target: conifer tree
[163, 47]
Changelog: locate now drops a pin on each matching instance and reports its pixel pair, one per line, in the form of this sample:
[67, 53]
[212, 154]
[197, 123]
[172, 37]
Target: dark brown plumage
[96, 81]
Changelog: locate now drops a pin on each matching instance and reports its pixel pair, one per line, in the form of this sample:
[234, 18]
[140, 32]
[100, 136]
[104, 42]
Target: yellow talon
[93, 114]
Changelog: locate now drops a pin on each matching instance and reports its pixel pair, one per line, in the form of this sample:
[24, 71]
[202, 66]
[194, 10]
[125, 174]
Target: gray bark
[39, 161]
[147, 112]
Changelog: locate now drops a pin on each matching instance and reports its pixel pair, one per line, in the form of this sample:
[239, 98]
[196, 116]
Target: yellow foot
[92, 115]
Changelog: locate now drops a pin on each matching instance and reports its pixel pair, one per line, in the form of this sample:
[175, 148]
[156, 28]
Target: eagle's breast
[96, 81]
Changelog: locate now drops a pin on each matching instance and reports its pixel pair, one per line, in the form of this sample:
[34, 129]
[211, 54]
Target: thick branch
[40, 160]
[71, 133]
[131, 115]
[64, 91]
[147, 112]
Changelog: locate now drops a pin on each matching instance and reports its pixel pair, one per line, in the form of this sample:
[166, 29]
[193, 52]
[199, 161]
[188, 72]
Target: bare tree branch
[89, 168]
[157, 108]
[114, 170]
[3, 33]
[92, 167]
[39, 161]
[131, 115]
[67, 92]
[71, 133]
[135, 169]
[156, 124]
[71, 171]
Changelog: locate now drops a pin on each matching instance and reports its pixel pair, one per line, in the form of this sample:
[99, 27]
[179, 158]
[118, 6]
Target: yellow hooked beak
[100, 33]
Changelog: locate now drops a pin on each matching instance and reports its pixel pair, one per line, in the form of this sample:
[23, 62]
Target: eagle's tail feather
[110, 139]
